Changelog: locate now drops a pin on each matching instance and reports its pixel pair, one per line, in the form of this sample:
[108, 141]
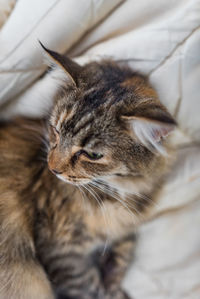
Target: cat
[75, 186]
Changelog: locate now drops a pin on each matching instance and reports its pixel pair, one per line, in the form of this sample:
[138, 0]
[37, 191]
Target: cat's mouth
[71, 179]
[74, 180]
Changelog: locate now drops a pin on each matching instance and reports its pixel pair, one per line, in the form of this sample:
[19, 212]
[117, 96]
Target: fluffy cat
[67, 215]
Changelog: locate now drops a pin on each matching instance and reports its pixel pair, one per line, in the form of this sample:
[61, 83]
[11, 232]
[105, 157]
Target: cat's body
[44, 219]
[60, 239]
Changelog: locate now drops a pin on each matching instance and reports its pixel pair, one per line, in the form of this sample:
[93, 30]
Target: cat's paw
[117, 294]
[98, 293]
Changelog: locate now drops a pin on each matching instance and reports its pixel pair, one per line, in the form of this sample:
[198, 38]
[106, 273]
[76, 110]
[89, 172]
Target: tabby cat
[74, 187]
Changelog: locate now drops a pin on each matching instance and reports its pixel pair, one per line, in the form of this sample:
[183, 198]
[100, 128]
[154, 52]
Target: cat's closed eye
[89, 155]
[93, 155]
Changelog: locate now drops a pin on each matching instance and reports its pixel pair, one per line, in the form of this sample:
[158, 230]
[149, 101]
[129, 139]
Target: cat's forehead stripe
[65, 115]
[60, 119]
[84, 124]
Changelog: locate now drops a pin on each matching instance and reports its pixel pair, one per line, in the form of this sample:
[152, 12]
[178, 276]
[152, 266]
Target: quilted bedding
[160, 38]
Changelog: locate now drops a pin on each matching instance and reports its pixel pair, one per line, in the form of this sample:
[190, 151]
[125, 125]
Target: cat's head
[107, 121]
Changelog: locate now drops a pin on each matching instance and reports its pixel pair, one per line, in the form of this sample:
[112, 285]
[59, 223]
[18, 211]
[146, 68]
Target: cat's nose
[56, 171]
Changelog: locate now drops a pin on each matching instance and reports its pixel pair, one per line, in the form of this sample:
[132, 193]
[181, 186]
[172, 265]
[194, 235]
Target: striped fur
[70, 235]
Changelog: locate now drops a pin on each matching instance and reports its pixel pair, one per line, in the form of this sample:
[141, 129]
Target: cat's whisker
[107, 239]
[108, 192]
[103, 210]
[116, 195]
[96, 186]
[82, 196]
[129, 194]
[146, 199]
[97, 195]
[99, 201]
[90, 192]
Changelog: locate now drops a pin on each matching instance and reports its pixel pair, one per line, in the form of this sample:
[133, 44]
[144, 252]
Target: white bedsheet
[160, 38]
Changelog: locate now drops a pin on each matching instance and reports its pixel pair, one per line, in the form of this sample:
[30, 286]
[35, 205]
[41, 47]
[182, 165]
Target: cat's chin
[78, 182]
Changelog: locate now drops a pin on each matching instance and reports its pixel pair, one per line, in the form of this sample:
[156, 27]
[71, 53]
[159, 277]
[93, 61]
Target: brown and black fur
[74, 238]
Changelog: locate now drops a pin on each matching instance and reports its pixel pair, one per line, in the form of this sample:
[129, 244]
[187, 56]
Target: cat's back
[20, 165]
[22, 152]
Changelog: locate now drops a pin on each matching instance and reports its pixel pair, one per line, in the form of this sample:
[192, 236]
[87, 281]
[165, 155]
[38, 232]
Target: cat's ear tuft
[151, 131]
[68, 71]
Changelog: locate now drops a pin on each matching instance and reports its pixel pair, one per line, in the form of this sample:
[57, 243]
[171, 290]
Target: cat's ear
[151, 124]
[68, 71]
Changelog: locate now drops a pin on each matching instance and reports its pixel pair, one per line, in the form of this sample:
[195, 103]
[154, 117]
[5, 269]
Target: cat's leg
[67, 251]
[115, 266]
[24, 280]
[74, 274]
[21, 276]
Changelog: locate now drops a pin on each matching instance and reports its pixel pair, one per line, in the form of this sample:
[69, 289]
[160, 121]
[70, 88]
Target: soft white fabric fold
[57, 23]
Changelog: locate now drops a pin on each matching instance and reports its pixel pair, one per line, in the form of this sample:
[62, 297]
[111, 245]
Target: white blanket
[160, 38]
